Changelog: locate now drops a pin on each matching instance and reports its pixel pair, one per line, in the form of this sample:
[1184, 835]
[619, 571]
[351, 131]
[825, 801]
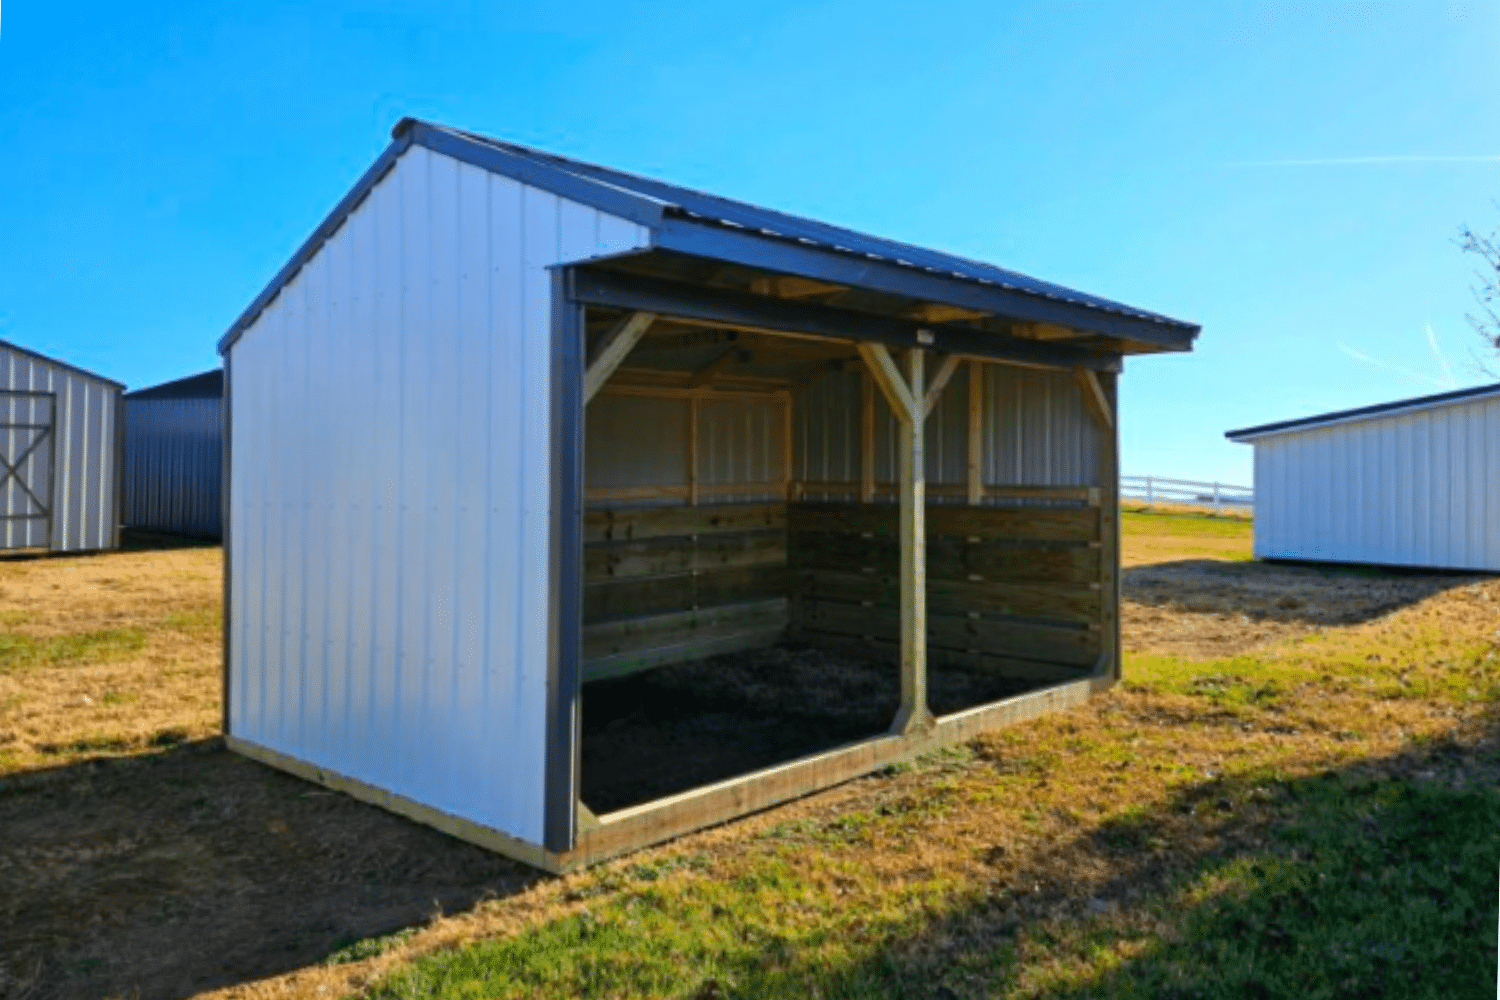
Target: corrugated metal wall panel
[79, 467]
[174, 453]
[1415, 489]
[636, 441]
[392, 495]
[1037, 432]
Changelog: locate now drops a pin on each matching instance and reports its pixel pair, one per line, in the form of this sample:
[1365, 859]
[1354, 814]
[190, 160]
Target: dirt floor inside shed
[140, 859]
[678, 727]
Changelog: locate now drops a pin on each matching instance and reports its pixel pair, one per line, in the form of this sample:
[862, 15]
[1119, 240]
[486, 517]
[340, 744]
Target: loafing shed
[174, 456]
[60, 433]
[513, 438]
[1415, 482]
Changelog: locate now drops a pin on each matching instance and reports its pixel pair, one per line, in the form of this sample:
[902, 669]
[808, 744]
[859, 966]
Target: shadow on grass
[1306, 593]
[131, 540]
[181, 871]
[1375, 880]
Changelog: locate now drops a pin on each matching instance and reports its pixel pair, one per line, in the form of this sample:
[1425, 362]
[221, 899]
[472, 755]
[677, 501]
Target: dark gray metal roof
[204, 385]
[1366, 412]
[722, 211]
[693, 222]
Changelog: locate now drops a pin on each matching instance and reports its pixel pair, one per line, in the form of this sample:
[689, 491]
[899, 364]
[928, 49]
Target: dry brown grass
[188, 871]
[107, 654]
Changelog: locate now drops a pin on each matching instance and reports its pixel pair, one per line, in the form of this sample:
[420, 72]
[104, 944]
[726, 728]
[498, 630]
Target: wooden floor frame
[637, 827]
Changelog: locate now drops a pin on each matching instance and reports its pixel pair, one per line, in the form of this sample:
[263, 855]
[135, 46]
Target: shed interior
[743, 544]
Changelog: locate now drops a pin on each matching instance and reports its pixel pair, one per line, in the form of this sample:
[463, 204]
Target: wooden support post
[976, 431]
[907, 396]
[788, 415]
[866, 438]
[1101, 407]
[692, 452]
[617, 343]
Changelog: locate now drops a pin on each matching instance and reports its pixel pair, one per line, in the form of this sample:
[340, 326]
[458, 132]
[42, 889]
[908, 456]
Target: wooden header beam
[741, 310]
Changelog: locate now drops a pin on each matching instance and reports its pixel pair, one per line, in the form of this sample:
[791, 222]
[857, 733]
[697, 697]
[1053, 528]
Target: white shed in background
[59, 455]
[174, 455]
[1410, 483]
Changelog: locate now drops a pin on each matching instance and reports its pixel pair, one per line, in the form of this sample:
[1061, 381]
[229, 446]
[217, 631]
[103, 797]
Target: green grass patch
[202, 623]
[1164, 525]
[21, 652]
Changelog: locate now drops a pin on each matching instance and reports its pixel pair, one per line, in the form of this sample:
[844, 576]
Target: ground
[1292, 794]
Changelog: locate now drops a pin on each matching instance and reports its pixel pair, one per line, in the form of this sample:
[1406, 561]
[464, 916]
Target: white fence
[1155, 489]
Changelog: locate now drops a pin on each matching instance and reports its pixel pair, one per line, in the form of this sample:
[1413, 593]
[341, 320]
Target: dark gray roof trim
[1365, 412]
[8, 345]
[707, 225]
[204, 385]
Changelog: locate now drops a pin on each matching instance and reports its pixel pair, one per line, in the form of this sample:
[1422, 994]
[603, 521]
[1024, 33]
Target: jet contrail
[1432, 342]
[1409, 373]
[1364, 161]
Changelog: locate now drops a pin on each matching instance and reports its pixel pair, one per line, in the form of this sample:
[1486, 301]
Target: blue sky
[1289, 175]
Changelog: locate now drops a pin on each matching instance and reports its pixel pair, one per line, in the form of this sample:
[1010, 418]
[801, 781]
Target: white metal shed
[174, 456]
[59, 454]
[509, 426]
[1414, 482]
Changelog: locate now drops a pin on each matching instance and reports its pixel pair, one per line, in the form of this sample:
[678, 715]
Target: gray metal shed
[509, 427]
[59, 454]
[174, 456]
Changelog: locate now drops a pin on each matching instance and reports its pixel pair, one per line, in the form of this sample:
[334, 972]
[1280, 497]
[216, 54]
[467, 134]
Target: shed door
[27, 452]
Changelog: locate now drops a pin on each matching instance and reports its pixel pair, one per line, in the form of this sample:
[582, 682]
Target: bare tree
[1486, 318]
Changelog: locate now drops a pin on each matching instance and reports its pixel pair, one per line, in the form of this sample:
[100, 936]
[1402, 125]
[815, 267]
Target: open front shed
[59, 454]
[526, 454]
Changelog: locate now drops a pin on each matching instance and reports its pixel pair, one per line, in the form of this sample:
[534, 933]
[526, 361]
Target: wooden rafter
[617, 343]
[886, 375]
[726, 360]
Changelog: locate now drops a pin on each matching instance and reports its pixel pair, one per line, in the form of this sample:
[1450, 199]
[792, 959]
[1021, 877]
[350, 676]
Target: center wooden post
[907, 395]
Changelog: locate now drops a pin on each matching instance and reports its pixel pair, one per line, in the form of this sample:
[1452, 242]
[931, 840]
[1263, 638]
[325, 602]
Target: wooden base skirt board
[637, 827]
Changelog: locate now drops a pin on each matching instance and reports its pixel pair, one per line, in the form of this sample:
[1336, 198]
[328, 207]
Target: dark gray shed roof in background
[204, 385]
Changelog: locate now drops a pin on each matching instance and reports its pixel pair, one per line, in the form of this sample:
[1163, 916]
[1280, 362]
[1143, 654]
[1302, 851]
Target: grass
[1316, 815]
[1317, 818]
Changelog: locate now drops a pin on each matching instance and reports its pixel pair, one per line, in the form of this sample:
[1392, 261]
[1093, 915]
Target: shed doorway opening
[744, 547]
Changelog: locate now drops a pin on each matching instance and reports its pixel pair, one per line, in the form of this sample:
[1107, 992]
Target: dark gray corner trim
[1248, 434]
[226, 425]
[772, 253]
[39, 356]
[314, 243]
[669, 298]
[565, 605]
[575, 187]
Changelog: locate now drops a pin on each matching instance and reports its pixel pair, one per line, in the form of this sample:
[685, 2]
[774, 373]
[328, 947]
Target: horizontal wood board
[1016, 589]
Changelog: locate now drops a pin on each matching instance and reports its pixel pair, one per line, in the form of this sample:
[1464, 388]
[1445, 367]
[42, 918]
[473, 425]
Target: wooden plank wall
[1015, 589]
[671, 584]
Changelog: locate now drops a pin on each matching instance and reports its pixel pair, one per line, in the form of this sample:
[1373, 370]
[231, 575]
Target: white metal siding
[174, 454]
[84, 482]
[1413, 489]
[1037, 432]
[392, 497]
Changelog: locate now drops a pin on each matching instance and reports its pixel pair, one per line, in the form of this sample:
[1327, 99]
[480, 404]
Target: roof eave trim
[788, 257]
[47, 359]
[325, 231]
[1249, 435]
